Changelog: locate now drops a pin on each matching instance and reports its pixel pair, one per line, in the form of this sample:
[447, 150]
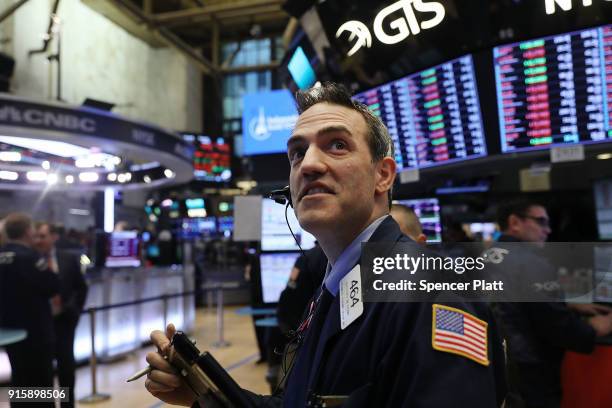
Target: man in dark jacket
[377, 354]
[538, 334]
[66, 306]
[26, 285]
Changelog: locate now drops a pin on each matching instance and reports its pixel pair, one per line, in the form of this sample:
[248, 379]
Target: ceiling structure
[197, 27]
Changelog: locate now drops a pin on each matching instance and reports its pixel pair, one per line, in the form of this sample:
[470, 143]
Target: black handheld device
[205, 376]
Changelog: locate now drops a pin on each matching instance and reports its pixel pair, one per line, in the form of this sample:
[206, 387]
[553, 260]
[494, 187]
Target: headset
[282, 196]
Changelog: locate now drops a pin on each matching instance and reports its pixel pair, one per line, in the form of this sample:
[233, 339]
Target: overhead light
[604, 156]
[61, 149]
[46, 165]
[10, 156]
[167, 202]
[69, 179]
[147, 179]
[8, 175]
[121, 178]
[150, 202]
[128, 176]
[85, 162]
[51, 178]
[36, 175]
[168, 173]
[89, 177]
[112, 177]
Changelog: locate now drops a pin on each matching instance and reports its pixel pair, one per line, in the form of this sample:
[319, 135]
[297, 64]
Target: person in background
[408, 222]
[66, 306]
[63, 240]
[26, 285]
[538, 334]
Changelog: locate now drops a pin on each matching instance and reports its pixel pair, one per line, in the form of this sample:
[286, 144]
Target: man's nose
[313, 162]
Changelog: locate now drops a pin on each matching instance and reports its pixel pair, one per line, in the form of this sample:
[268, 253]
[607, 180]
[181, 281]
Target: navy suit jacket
[385, 357]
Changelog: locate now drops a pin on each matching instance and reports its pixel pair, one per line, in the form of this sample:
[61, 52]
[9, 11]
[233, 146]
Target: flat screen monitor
[225, 225]
[481, 231]
[555, 90]
[268, 118]
[603, 207]
[197, 228]
[123, 250]
[433, 116]
[211, 159]
[275, 271]
[427, 211]
[301, 70]
[275, 235]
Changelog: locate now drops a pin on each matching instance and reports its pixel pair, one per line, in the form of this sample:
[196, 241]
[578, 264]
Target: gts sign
[394, 23]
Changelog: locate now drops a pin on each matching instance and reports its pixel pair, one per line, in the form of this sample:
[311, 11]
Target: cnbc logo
[393, 24]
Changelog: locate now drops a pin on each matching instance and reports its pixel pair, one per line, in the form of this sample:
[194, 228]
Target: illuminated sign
[397, 29]
[565, 5]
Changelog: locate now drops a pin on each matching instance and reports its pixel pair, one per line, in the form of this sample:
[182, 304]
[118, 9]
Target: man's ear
[421, 239]
[513, 221]
[385, 176]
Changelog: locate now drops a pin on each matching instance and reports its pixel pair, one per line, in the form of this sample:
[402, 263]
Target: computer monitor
[191, 228]
[480, 231]
[123, 250]
[427, 211]
[275, 271]
[552, 90]
[225, 225]
[275, 235]
[433, 116]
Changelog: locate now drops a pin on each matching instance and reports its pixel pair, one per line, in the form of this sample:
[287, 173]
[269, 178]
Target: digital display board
[300, 69]
[212, 158]
[275, 271]
[603, 206]
[123, 249]
[275, 234]
[555, 90]
[268, 117]
[433, 116]
[427, 211]
[190, 228]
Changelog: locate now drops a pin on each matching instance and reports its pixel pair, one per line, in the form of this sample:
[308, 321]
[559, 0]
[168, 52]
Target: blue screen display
[301, 70]
[267, 121]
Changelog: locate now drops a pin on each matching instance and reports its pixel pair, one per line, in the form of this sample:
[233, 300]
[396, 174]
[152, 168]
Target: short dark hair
[378, 138]
[379, 141]
[16, 225]
[518, 207]
[53, 228]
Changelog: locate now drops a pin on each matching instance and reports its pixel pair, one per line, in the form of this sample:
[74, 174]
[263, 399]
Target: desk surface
[10, 336]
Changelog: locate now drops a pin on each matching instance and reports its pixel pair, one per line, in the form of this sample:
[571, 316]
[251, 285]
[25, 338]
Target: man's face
[333, 179]
[44, 240]
[533, 226]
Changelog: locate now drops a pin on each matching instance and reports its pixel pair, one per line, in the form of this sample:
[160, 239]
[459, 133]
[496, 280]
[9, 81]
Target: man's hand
[590, 309]
[602, 324]
[163, 382]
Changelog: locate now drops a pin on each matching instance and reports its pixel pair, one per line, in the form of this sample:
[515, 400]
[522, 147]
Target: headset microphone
[282, 196]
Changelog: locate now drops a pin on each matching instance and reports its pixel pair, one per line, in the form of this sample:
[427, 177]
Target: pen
[141, 373]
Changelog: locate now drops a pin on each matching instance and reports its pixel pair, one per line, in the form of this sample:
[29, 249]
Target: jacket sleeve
[79, 285]
[39, 277]
[414, 374]
[559, 325]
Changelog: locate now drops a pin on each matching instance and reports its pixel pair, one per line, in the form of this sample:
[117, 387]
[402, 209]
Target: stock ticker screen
[427, 211]
[211, 159]
[555, 90]
[433, 116]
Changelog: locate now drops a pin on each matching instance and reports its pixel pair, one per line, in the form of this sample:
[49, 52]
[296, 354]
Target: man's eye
[296, 154]
[338, 144]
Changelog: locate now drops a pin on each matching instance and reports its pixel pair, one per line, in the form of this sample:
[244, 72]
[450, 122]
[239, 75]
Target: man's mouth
[316, 190]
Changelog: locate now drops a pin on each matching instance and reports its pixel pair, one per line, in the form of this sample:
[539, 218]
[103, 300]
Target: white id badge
[351, 303]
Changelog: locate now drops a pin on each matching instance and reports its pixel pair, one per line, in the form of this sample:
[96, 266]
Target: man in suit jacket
[67, 305]
[26, 284]
[341, 174]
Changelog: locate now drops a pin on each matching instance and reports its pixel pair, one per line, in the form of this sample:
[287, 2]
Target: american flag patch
[458, 332]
